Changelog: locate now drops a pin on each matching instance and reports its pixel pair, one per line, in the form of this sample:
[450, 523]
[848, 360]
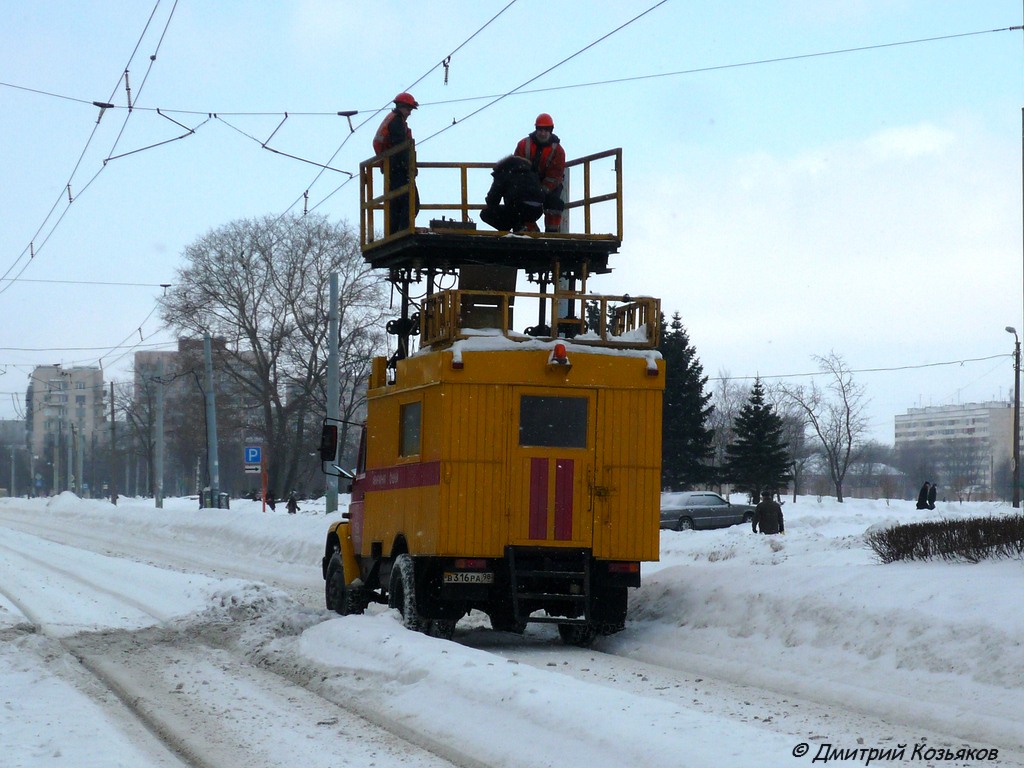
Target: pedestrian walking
[922, 497]
[768, 515]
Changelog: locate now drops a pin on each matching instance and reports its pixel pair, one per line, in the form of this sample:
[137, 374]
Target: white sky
[867, 203]
[739, 648]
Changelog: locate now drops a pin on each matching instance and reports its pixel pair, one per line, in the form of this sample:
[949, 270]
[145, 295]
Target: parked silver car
[687, 510]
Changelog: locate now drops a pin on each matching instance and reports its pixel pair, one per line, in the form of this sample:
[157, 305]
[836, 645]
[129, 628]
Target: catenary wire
[520, 91]
[29, 249]
[379, 110]
[891, 369]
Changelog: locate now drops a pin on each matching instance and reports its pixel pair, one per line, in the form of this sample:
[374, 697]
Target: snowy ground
[131, 636]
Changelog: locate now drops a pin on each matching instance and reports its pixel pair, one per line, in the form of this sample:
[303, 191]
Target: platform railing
[605, 321]
[465, 186]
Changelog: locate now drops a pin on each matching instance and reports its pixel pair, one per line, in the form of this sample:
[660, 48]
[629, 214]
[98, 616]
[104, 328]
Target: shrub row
[971, 540]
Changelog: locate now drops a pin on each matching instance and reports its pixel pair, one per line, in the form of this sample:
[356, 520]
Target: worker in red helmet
[393, 131]
[544, 151]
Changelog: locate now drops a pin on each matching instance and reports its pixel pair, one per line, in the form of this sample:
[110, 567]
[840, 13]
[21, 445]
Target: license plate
[468, 577]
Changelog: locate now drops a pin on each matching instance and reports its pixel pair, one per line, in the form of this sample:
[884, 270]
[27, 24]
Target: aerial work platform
[451, 239]
[486, 262]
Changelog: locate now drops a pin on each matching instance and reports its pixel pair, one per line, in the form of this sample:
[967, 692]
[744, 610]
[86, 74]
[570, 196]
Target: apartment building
[978, 434]
[65, 410]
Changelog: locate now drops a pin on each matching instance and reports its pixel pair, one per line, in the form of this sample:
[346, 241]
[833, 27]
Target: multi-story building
[976, 437]
[64, 413]
[182, 373]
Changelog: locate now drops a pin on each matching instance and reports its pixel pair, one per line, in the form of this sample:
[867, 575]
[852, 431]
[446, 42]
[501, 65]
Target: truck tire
[338, 597]
[442, 628]
[581, 635]
[503, 620]
[402, 591]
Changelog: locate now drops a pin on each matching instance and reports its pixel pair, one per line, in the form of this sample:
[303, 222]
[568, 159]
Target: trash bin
[223, 500]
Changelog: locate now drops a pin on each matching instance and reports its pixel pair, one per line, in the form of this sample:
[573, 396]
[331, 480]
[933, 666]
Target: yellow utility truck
[512, 473]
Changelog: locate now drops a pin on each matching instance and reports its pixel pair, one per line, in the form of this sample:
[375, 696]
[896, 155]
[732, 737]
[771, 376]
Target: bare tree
[727, 398]
[835, 414]
[801, 450]
[919, 461]
[963, 462]
[262, 287]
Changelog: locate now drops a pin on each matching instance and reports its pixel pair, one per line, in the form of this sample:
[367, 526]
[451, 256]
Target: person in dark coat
[269, 499]
[768, 515]
[293, 504]
[517, 185]
[932, 493]
[922, 497]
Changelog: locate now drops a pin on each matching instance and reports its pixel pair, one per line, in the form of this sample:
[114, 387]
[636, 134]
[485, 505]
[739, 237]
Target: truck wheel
[503, 620]
[403, 594]
[333, 579]
[339, 597]
[443, 628]
[581, 635]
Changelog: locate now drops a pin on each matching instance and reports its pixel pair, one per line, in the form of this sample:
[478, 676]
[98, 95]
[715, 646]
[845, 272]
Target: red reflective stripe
[402, 476]
[538, 498]
[563, 499]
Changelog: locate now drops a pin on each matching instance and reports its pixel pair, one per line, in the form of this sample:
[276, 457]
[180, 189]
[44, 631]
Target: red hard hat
[407, 99]
[544, 121]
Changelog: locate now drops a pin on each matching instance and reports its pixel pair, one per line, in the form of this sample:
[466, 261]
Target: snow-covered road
[143, 637]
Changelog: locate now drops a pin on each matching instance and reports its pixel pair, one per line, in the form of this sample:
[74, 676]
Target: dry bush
[970, 540]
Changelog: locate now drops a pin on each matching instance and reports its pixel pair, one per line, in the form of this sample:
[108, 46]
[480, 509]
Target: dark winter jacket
[516, 184]
[922, 497]
[932, 493]
[768, 516]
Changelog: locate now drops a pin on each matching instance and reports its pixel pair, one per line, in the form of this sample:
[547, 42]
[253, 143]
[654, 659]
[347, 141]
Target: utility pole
[80, 460]
[1016, 416]
[56, 454]
[158, 470]
[113, 450]
[211, 423]
[71, 456]
[333, 384]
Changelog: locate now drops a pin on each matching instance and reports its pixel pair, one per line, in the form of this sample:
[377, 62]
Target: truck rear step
[550, 579]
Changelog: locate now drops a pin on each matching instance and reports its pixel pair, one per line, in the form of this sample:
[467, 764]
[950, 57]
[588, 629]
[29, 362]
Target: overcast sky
[865, 202]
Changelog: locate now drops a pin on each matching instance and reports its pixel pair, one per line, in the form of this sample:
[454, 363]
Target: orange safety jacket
[393, 131]
[547, 159]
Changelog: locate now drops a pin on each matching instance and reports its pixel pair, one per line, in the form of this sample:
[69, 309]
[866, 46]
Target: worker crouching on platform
[516, 199]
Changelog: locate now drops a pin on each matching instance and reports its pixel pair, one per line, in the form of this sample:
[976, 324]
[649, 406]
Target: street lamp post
[1016, 416]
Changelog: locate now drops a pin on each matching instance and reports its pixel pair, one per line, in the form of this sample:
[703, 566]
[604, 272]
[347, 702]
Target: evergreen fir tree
[685, 438]
[758, 459]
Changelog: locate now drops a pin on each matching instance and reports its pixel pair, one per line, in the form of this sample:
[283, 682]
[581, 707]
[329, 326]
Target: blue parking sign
[253, 454]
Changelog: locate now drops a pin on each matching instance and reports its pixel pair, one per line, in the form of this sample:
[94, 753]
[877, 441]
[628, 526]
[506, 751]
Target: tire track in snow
[178, 681]
[718, 686]
[119, 595]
